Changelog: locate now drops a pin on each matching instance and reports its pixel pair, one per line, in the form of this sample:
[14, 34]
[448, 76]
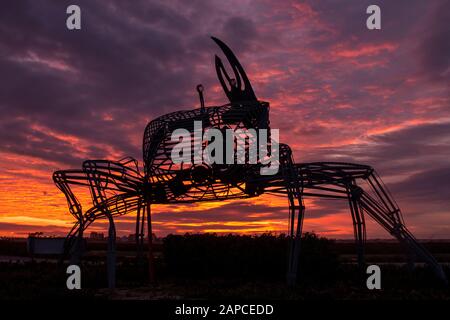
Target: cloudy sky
[338, 92]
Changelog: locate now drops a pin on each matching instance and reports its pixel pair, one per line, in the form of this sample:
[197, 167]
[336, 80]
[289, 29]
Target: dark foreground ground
[225, 267]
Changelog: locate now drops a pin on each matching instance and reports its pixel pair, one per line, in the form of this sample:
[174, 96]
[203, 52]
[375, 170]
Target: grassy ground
[212, 267]
[46, 280]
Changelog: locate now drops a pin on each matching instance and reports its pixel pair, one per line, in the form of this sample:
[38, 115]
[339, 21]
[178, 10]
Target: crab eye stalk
[202, 99]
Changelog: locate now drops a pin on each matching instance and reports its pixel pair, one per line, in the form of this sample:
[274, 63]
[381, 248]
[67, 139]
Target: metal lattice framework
[119, 187]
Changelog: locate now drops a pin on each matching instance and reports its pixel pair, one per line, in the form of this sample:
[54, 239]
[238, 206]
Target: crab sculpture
[119, 187]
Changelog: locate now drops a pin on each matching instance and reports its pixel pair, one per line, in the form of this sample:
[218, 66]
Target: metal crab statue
[119, 187]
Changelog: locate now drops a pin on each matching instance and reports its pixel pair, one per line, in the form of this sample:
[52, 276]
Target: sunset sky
[338, 92]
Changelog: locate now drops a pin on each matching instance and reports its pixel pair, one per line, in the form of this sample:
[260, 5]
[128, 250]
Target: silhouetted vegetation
[231, 266]
[249, 257]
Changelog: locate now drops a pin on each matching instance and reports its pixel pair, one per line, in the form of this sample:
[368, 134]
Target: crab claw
[234, 90]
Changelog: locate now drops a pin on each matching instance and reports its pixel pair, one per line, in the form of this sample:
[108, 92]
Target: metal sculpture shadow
[119, 187]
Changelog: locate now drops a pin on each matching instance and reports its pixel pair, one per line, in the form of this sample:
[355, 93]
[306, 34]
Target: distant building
[36, 235]
[97, 236]
[132, 237]
[45, 245]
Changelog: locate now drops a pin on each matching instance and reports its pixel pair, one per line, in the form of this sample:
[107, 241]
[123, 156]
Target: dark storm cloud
[420, 152]
[68, 81]
[411, 149]
[434, 50]
[18, 137]
[345, 19]
[129, 62]
[242, 32]
[430, 185]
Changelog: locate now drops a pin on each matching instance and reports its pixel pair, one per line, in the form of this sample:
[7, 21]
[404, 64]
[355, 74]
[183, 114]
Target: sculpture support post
[294, 189]
[359, 227]
[77, 249]
[151, 266]
[296, 211]
[137, 234]
[298, 234]
[111, 254]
